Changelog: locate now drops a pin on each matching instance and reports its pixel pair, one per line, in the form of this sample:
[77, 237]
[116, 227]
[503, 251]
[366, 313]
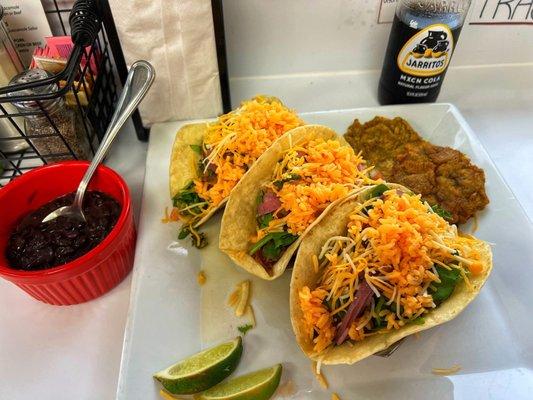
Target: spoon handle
[139, 80]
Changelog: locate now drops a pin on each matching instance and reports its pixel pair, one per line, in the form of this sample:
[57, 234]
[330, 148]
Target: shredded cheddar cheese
[231, 145]
[201, 278]
[239, 299]
[319, 376]
[446, 371]
[308, 178]
[172, 217]
[393, 243]
[233, 298]
[244, 298]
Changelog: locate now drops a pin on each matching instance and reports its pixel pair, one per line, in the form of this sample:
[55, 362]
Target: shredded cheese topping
[240, 299]
[446, 371]
[319, 376]
[201, 278]
[237, 139]
[392, 242]
[232, 144]
[310, 177]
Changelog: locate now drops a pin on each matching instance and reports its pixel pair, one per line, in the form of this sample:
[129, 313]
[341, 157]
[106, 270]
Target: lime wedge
[259, 385]
[203, 370]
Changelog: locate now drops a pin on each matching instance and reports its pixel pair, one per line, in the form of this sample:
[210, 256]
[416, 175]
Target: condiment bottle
[62, 138]
[423, 37]
[10, 65]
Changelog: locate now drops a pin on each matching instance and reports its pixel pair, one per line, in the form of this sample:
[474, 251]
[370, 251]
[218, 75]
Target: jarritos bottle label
[428, 52]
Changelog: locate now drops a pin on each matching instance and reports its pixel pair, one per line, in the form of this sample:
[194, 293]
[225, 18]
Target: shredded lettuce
[449, 278]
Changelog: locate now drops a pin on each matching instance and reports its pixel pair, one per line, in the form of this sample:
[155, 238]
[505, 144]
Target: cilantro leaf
[184, 232]
[292, 177]
[264, 220]
[186, 197]
[197, 148]
[377, 191]
[418, 321]
[437, 209]
[270, 251]
[379, 305]
[273, 244]
[448, 280]
[244, 328]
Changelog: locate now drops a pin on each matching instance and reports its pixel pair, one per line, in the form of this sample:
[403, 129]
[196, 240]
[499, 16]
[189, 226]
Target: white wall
[290, 45]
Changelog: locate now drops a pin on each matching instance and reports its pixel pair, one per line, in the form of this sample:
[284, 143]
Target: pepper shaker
[51, 126]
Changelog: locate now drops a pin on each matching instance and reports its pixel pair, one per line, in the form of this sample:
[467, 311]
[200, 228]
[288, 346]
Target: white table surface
[49, 352]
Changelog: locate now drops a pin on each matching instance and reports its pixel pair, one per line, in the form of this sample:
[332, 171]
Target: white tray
[171, 318]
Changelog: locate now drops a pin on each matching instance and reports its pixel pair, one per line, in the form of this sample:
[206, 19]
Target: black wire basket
[90, 80]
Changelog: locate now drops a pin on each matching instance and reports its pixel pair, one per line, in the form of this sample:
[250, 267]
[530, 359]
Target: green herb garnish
[184, 232]
[198, 242]
[187, 197]
[448, 280]
[377, 309]
[437, 209]
[291, 177]
[197, 148]
[244, 328]
[418, 321]
[264, 220]
[377, 191]
[273, 244]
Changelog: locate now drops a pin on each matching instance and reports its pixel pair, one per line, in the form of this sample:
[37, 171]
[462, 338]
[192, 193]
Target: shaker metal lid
[32, 75]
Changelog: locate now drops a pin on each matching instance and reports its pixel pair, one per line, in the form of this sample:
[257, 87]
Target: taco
[287, 191]
[380, 266]
[209, 159]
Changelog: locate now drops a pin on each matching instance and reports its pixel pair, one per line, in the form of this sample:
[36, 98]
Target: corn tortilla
[184, 161]
[239, 221]
[333, 224]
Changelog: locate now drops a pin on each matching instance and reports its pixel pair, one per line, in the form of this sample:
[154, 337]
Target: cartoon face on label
[428, 52]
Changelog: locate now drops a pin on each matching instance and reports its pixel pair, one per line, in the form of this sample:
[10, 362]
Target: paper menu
[27, 25]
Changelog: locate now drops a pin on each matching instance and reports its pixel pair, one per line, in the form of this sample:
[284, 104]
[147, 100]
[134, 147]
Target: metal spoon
[139, 80]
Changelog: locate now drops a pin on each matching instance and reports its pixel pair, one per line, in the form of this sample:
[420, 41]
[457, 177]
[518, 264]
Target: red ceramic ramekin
[94, 273]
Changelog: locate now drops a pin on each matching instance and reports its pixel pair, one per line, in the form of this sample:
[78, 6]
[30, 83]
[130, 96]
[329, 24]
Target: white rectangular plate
[170, 317]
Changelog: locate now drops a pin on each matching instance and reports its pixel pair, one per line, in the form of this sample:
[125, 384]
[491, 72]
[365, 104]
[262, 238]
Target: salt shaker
[62, 138]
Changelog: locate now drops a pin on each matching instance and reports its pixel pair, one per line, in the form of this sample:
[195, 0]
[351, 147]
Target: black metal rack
[95, 39]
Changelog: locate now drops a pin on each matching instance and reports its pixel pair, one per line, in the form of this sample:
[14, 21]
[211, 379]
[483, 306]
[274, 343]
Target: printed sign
[502, 12]
[386, 11]
[27, 25]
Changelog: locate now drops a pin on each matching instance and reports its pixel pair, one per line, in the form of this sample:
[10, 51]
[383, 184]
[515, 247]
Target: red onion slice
[269, 204]
[361, 301]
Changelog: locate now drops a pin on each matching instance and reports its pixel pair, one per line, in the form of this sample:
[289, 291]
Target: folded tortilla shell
[239, 221]
[184, 161]
[333, 224]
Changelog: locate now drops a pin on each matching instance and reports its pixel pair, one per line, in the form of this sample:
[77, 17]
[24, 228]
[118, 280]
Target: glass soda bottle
[423, 37]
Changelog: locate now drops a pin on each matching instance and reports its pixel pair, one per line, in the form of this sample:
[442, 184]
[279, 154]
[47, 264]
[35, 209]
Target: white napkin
[177, 37]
